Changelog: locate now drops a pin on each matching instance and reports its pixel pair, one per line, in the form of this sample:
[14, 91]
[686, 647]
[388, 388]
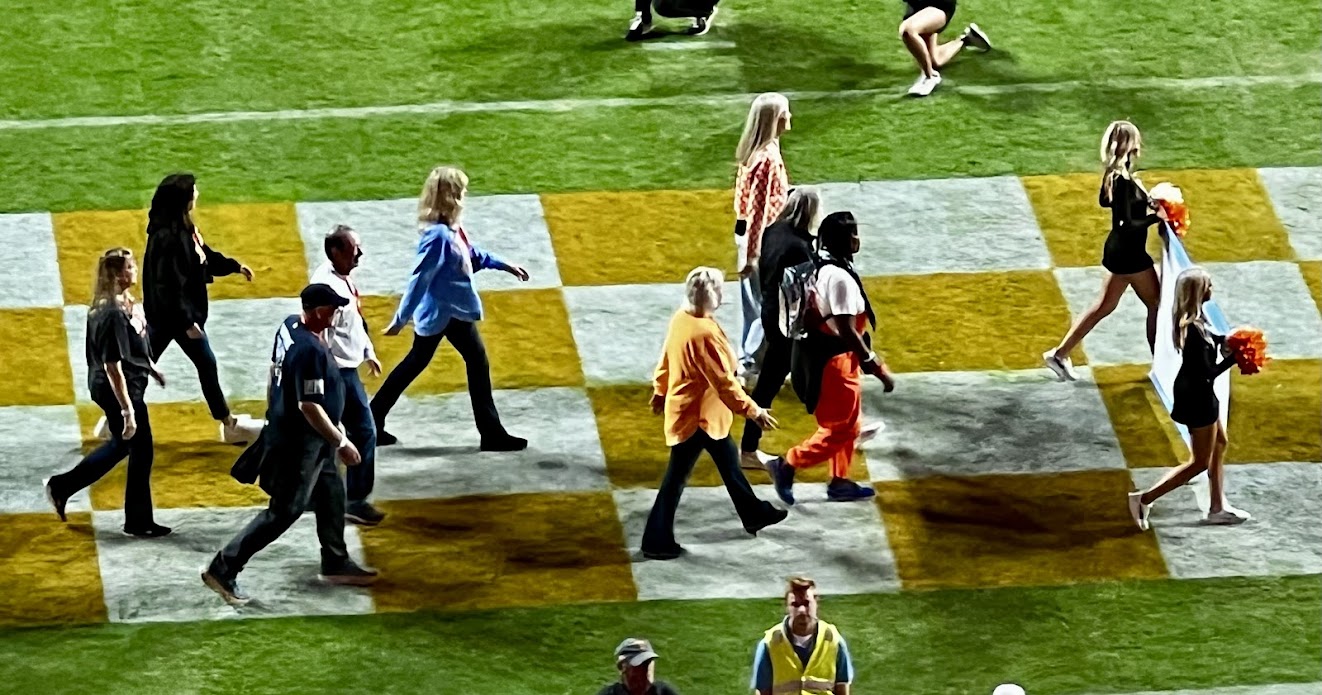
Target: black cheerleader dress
[911, 8]
[1196, 404]
[1126, 252]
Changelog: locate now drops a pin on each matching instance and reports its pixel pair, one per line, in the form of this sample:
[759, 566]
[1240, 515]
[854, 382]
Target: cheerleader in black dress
[1125, 255]
[923, 21]
[1196, 404]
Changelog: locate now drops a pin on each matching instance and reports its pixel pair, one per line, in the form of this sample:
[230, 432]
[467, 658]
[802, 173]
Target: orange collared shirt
[696, 374]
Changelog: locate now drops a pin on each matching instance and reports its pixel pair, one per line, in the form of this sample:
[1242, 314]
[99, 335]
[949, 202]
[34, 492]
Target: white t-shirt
[348, 338]
[835, 293]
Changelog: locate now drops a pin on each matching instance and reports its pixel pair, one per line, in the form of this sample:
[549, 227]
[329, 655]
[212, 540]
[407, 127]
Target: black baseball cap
[634, 651]
[319, 294]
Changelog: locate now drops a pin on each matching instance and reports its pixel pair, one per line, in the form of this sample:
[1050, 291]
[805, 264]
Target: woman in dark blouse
[1124, 256]
[119, 362]
[1196, 405]
[177, 268]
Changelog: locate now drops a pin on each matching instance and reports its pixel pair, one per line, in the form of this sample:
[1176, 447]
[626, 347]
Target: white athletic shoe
[1226, 517]
[976, 37]
[1064, 368]
[1202, 492]
[102, 429]
[1139, 511]
[870, 430]
[925, 85]
[1226, 506]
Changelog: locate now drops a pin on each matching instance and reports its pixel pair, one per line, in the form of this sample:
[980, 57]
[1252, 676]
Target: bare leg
[942, 53]
[1113, 288]
[1148, 288]
[913, 32]
[1204, 439]
[1216, 470]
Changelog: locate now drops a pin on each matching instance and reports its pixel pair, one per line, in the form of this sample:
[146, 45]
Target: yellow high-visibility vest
[791, 677]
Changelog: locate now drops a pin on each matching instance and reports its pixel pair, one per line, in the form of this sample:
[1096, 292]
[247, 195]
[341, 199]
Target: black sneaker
[152, 530]
[665, 554]
[771, 517]
[384, 438]
[56, 501]
[349, 574]
[638, 27]
[506, 443]
[227, 587]
[701, 25]
[976, 37]
[363, 514]
[846, 490]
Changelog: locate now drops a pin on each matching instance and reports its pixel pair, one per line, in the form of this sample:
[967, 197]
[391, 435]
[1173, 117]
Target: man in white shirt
[351, 345]
[840, 351]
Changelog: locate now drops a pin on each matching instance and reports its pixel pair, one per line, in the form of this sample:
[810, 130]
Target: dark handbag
[806, 366]
[248, 466]
[740, 227]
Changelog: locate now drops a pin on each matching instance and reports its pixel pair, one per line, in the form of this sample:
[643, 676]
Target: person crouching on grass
[696, 388]
[702, 12]
[923, 21]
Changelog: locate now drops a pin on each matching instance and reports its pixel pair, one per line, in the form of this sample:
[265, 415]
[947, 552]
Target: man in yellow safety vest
[802, 655]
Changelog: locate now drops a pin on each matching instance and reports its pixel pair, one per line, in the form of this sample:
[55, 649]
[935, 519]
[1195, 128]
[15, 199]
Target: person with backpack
[832, 350]
[788, 242]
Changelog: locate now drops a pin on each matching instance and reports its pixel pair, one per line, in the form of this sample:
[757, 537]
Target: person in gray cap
[637, 664]
[301, 442]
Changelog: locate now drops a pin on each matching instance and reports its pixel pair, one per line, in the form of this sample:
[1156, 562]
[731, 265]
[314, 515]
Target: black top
[118, 334]
[1199, 357]
[175, 278]
[303, 371]
[658, 688]
[1126, 246]
[783, 246]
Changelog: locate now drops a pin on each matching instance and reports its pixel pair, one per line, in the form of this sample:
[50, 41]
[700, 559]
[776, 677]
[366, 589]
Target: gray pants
[293, 474]
[751, 335]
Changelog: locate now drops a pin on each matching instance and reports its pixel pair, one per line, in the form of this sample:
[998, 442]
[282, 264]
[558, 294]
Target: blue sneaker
[846, 490]
[782, 475]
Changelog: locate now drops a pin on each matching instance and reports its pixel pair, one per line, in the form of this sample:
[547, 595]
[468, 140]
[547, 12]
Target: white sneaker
[870, 430]
[754, 460]
[1063, 367]
[1202, 492]
[975, 36]
[102, 429]
[1226, 506]
[244, 430]
[1226, 517]
[925, 86]
[918, 86]
[1139, 511]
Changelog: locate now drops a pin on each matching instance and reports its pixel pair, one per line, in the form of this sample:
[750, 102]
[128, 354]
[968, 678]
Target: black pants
[675, 8]
[660, 533]
[467, 341]
[775, 367]
[294, 474]
[139, 450]
[199, 353]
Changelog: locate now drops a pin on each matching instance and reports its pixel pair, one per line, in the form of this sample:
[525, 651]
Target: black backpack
[795, 293]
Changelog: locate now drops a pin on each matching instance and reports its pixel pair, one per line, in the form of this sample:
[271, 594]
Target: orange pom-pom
[1249, 347]
[1170, 199]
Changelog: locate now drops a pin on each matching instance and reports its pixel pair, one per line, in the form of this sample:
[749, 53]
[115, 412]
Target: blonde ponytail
[1120, 144]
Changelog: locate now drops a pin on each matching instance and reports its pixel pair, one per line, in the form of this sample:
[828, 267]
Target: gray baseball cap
[634, 651]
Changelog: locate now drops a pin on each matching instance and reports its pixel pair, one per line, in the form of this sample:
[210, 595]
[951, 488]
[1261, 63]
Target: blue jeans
[199, 353]
[361, 428]
[139, 450]
[751, 335]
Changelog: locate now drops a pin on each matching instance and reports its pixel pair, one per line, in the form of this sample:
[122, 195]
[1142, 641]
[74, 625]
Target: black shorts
[911, 8]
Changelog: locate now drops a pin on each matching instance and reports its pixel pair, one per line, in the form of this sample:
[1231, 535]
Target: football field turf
[999, 548]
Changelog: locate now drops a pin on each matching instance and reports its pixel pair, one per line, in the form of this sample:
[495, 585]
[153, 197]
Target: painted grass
[1088, 638]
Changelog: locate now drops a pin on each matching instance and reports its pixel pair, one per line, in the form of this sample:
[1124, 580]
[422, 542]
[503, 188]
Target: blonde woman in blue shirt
[442, 303]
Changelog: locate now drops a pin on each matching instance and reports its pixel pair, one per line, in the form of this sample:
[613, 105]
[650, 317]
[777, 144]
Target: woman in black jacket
[785, 244]
[119, 363]
[178, 266]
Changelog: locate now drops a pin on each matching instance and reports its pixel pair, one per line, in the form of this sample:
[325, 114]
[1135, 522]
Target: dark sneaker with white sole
[846, 490]
[638, 27]
[349, 574]
[701, 25]
[976, 37]
[363, 514]
[782, 476]
[227, 587]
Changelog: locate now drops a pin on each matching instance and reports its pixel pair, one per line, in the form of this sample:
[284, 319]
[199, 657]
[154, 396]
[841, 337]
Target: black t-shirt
[302, 371]
[118, 334]
[658, 688]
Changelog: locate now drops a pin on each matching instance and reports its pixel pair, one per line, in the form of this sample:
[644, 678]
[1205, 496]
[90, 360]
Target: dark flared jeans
[463, 335]
[139, 450]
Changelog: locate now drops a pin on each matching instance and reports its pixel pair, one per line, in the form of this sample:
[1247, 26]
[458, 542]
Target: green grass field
[1111, 59]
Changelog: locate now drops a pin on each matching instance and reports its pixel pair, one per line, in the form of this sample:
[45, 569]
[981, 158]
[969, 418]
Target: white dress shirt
[348, 338]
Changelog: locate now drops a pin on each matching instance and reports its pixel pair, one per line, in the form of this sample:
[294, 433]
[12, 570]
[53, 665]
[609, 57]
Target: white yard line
[1275, 689]
[685, 45]
[446, 108]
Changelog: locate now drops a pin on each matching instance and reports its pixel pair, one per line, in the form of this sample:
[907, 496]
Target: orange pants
[839, 414]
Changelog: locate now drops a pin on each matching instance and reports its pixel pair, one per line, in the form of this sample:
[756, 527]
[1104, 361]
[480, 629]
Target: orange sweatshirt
[696, 375]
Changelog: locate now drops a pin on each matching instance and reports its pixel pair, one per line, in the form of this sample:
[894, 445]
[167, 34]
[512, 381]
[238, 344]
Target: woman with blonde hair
[1196, 404]
[923, 21]
[1124, 256]
[761, 188]
[442, 302]
[119, 361]
[695, 387]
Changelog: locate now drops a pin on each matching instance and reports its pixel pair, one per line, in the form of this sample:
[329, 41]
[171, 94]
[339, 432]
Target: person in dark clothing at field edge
[177, 268]
[702, 12]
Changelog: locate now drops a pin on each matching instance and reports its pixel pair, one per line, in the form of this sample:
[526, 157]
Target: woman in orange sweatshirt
[696, 388]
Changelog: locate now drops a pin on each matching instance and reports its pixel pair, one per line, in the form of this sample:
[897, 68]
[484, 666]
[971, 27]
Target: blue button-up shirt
[441, 287]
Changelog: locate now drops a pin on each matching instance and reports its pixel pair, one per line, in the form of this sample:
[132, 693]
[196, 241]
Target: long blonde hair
[700, 288]
[803, 209]
[760, 127]
[106, 291]
[1192, 289]
[442, 197]
[1120, 144]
